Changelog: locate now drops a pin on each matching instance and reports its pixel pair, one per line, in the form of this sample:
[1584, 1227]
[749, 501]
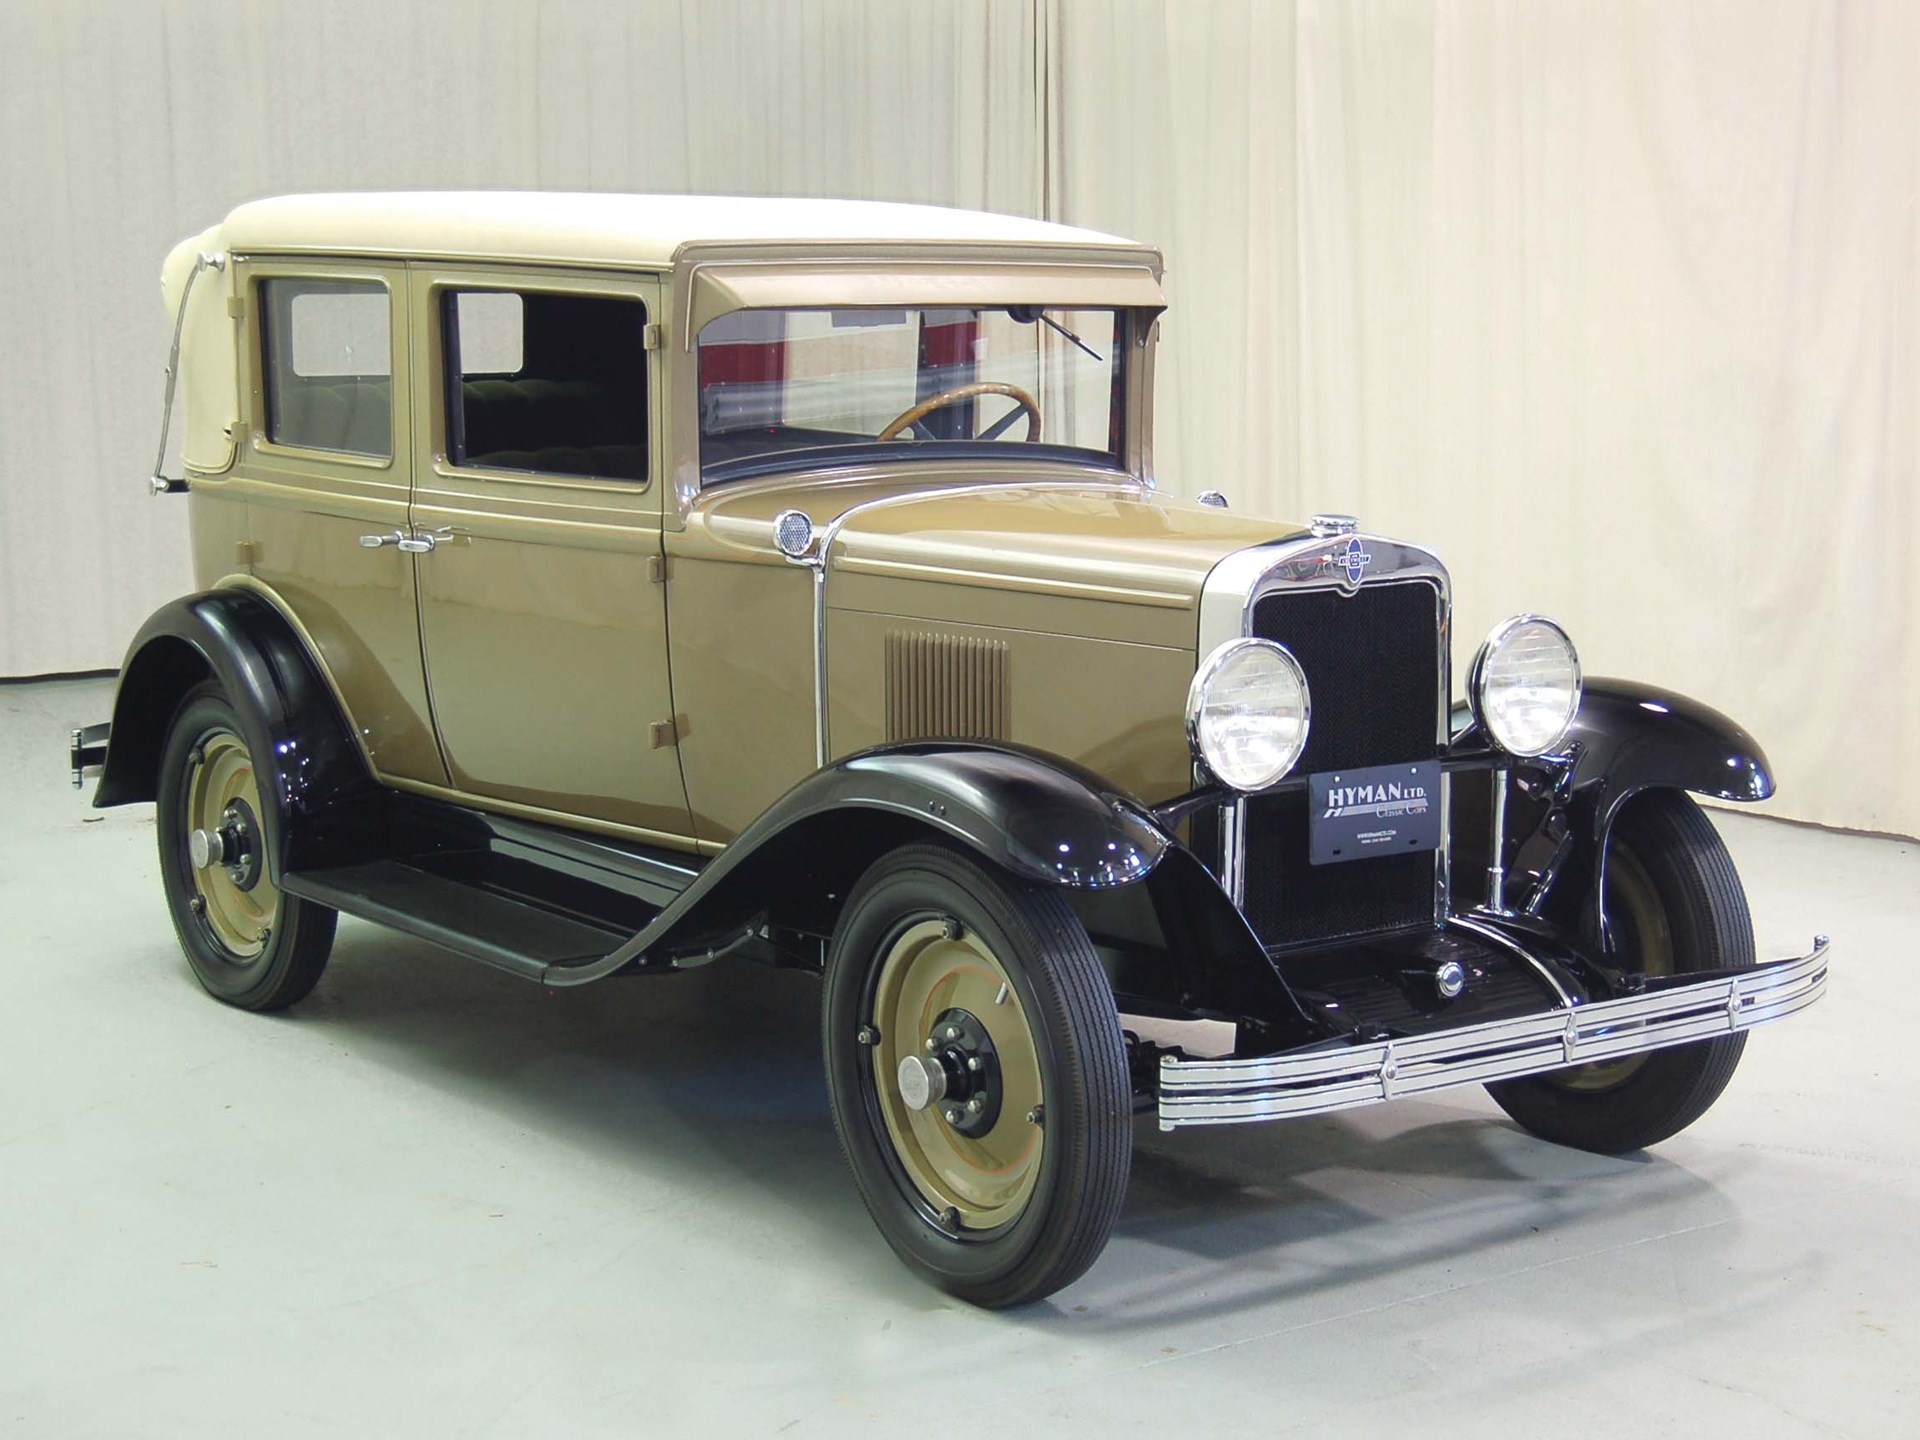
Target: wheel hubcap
[922, 1079]
[236, 900]
[957, 1075]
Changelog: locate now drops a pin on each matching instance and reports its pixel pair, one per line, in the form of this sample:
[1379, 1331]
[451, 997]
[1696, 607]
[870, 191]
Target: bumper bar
[1311, 1082]
[87, 752]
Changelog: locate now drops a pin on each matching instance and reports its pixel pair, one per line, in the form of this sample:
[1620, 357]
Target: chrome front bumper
[87, 752]
[1271, 1087]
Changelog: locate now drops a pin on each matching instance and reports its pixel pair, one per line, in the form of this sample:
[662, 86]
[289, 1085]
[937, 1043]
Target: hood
[920, 549]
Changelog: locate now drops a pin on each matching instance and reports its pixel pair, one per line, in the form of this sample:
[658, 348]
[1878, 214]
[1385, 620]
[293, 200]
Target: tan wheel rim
[1630, 895]
[986, 1180]
[220, 774]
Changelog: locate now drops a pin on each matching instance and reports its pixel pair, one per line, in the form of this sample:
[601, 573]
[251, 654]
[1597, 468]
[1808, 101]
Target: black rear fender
[303, 752]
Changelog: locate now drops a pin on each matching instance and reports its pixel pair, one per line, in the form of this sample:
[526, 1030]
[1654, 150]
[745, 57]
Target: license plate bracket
[1372, 811]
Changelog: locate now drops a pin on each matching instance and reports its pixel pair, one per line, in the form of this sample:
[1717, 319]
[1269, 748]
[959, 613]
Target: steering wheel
[1022, 400]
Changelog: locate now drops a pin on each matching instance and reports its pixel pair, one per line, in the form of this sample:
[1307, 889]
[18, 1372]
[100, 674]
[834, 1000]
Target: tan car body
[639, 658]
[559, 692]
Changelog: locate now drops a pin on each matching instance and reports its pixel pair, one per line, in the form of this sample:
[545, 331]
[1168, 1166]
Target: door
[325, 472]
[543, 610]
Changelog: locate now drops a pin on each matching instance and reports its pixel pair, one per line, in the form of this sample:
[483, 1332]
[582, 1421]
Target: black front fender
[1627, 738]
[304, 755]
[1033, 815]
[1037, 815]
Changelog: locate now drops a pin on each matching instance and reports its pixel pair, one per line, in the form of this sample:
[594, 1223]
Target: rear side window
[546, 383]
[328, 349]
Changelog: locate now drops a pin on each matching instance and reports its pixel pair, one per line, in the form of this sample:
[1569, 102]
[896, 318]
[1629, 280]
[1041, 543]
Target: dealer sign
[1379, 810]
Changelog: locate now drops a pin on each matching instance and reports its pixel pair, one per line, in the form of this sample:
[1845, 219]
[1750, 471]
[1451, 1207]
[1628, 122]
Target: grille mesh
[1372, 661]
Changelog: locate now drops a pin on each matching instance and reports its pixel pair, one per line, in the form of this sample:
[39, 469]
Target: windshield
[784, 389]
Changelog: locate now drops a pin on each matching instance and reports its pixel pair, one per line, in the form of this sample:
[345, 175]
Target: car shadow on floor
[713, 1077]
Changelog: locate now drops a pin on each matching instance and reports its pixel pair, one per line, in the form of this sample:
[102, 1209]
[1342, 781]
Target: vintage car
[600, 585]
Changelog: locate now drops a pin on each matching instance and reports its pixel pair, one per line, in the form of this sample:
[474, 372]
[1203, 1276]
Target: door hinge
[246, 552]
[667, 733]
[658, 569]
[236, 307]
[652, 337]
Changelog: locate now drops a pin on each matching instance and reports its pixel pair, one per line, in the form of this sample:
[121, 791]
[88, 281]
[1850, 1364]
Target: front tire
[977, 1074]
[1674, 900]
[249, 945]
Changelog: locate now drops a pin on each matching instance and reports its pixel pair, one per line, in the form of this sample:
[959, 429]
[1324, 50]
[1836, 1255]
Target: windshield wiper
[1046, 319]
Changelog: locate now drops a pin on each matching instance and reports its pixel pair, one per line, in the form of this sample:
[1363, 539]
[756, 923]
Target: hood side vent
[946, 687]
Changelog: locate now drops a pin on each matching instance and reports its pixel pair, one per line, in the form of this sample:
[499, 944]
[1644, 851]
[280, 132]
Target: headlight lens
[1247, 713]
[1525, 685]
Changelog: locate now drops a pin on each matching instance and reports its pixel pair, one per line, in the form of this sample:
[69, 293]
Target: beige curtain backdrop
[1615, 305]
[126, 125]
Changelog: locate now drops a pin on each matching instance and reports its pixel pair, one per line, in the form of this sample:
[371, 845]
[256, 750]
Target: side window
[328, 352]
[555, 384]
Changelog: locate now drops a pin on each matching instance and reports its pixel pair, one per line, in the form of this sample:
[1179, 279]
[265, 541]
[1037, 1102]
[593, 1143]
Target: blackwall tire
[248, 944]
[1009, 1205]
[1674, 897]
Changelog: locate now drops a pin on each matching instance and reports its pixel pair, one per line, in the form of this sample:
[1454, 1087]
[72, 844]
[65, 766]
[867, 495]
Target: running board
[499, 930]
[536, 901]
[1312, 1082]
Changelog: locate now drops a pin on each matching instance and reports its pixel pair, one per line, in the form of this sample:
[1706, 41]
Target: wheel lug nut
[932, 1045]
[953, 1117]
[973, 1062]
[953, 1032]
[975, 1105]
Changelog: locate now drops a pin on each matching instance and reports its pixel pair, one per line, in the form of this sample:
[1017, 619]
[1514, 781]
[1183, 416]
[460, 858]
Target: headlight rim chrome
[1204, 676]
[1476, 679]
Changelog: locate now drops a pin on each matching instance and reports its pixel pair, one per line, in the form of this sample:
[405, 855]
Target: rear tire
[1006, 1202]
[249, 945]
[1674, 900]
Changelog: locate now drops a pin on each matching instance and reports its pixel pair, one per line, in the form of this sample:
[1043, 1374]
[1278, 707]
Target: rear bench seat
[611, 462]
[510, 424]
[515, 424]
[351, 413]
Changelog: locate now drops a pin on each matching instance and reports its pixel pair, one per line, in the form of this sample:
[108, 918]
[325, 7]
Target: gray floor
[434, 1200]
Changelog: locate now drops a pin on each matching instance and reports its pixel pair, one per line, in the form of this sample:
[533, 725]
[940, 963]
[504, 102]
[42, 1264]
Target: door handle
[420, 542]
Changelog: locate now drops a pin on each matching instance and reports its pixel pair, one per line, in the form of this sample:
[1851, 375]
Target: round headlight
[1525, 685]
[1247, 713]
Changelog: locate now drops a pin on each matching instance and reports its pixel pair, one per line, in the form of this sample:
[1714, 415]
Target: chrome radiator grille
[1373, 662]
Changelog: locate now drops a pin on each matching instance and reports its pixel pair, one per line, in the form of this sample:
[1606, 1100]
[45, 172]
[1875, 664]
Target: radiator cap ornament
[1353, 558]
[1328, 526]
